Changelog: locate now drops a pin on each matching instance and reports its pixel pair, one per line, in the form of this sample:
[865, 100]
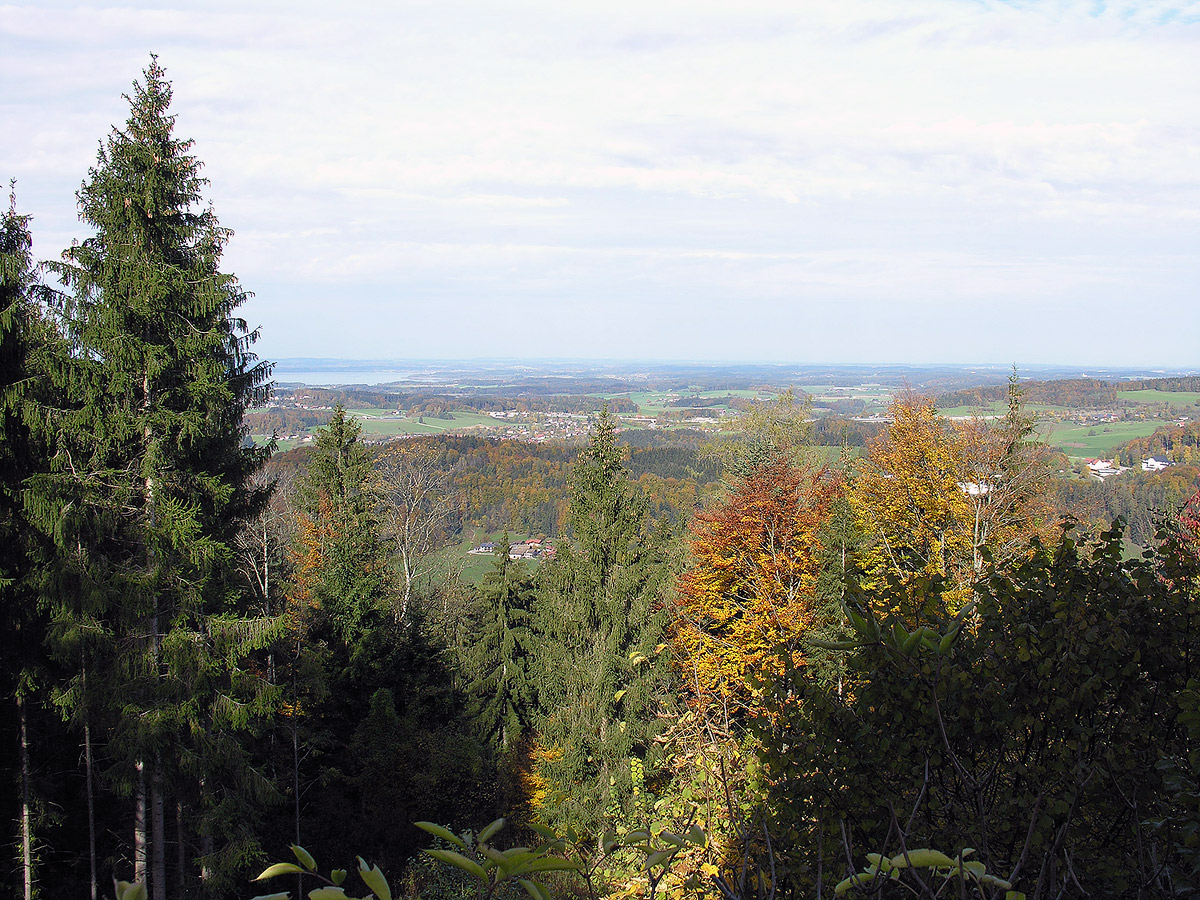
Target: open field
[374, 426]
[877, 398]
[1000, 408]
[1096, 441]
[280, 446]
[652, 403]
[831, 456]
[842, 392]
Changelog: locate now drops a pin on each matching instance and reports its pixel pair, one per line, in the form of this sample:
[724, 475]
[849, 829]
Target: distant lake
[343, 376]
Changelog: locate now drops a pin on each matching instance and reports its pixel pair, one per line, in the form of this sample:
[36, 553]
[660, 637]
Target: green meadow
[374, 426]
[999, 408]
[1095, 441]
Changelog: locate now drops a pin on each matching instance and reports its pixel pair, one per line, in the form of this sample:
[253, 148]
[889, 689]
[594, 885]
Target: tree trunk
[139, 823]
[26, 817]
[296, 772]
[206, 841]
[158, 841]
[206, 851]
[180, 854]
[91, 799]
[156, 800]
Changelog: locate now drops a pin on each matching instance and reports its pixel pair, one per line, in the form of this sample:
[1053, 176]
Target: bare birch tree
[419, 509]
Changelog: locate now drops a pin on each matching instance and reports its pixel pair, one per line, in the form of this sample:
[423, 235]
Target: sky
[809, 181]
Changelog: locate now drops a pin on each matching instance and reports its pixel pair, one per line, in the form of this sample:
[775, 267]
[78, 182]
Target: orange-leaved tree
[743, 609]
[750, 590]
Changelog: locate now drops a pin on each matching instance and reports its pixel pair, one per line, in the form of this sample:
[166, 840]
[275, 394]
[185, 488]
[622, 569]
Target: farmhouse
[1103, 468]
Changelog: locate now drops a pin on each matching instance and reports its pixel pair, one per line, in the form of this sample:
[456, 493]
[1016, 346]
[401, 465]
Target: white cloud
[871, 150]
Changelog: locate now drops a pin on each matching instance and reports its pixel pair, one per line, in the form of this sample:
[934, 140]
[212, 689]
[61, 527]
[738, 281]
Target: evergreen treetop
[161, 369]
[150, 485]
[598, 617]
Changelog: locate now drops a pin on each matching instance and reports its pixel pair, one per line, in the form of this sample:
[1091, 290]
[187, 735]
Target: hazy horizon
[348, 371]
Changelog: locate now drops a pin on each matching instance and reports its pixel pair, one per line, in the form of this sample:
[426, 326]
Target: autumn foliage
[1189, 518]
[750, 589]
[938, 497]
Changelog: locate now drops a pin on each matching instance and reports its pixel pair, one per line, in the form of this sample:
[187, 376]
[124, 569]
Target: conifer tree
[376, 723]
[340, 576]
[153, 484]
[499, 658]
[598, 619]
[22, 621]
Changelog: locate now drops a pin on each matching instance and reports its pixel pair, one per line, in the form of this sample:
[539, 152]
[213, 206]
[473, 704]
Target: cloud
[828, 150]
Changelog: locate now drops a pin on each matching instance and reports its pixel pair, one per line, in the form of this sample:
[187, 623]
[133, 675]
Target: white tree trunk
[91, 798]
[26, 816]
[139, 823]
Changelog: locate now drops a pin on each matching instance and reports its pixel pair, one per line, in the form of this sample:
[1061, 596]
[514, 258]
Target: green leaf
[327, 893]
[444, 833]
[861, 879]
[487, 833]
[305, 858]
[618, 695]
[282, 896]
[459, 862]
[834, 645]
[494, 855]
[554, 864]
[337, 876]
[995, 882]
[534, 889]
[279, 869]
[374, 879]
[134, 891]
[947, 641]
[662, 856]
[858, 622]
[517, 859]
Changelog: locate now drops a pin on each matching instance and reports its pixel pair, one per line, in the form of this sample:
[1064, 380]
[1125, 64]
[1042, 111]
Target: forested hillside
[1081, 393]
[746, 669]
[1176, 443]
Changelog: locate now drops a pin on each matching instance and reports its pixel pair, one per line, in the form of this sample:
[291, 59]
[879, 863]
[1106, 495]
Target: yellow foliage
[535, 786]
[936, 496]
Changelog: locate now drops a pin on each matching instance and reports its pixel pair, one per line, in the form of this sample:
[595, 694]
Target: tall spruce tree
[341, 576]
[598, 619]
[22, 619]
[153, 484]
[499, 658]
